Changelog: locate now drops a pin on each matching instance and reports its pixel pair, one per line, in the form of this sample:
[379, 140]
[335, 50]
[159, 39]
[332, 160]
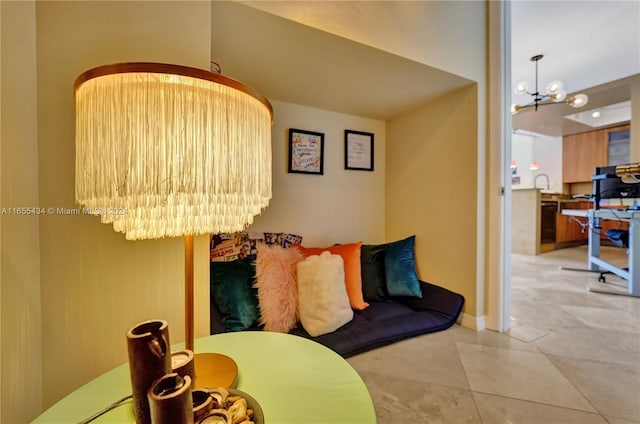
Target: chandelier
[554, 93]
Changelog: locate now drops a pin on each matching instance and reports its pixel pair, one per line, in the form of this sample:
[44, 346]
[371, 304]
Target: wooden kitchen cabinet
[571, 229]
[581, 153]
[618, 144]
[568, 229]
[612, 225]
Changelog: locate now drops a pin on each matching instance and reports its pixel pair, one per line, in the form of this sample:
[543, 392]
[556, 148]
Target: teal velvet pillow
[400, 268]
[374, 285]
[231, 288]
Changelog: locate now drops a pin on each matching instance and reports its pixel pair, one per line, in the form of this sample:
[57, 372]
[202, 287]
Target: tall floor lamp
[165, 151]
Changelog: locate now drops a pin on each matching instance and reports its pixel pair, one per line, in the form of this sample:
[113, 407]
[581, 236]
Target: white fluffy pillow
[322, 295]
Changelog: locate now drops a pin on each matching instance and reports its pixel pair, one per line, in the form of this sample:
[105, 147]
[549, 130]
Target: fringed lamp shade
[166, 150]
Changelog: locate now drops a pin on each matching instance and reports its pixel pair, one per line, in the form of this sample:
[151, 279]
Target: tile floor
[572, 356]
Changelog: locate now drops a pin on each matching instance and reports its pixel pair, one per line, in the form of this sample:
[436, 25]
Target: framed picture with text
[306, 152]
[358, 150]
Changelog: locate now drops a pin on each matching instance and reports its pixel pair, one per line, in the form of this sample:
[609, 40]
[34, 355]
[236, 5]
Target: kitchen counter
[525, 221]
[533, 220]
[538, 225]
[557, 197]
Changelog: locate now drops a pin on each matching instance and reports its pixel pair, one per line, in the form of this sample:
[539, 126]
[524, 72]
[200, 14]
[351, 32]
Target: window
[618, 142]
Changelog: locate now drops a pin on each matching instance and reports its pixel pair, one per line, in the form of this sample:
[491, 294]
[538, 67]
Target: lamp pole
[188, 292]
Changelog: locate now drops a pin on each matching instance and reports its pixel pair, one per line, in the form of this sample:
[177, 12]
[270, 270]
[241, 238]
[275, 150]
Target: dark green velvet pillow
[374, 285]
[400, 268]
[233, 293]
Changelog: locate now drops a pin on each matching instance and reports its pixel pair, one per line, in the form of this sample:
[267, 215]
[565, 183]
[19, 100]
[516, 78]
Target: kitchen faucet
[535, 181]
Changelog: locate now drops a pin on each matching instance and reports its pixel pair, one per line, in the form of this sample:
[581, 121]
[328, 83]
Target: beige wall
[20, 318]
[431, 191]
[340, 206]
[95, 284]
[451, 36]
[448, 35]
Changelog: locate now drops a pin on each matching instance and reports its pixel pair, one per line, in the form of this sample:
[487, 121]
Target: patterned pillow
[277, 287]
[231, 246]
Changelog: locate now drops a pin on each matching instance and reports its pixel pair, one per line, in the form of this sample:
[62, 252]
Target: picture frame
[358, 150]
[306, 152]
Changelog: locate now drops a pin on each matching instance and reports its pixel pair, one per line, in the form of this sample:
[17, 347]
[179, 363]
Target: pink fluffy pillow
[276, 281]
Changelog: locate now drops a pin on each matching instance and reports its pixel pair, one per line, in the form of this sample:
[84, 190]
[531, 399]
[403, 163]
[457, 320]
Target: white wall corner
[472, 322]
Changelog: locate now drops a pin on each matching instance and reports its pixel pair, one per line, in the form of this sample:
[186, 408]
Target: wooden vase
[170, 400]
[182, 363]
[149, 359]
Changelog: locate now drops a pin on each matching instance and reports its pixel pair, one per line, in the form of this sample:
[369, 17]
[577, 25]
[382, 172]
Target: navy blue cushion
[385, 322]
[369, 330]
[233, 293]
[385, 311]
[400, 268]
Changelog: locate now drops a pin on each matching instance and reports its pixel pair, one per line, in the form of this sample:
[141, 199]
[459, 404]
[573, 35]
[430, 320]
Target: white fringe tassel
[164, 155]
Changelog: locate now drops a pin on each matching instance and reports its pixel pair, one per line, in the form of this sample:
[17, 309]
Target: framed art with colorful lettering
[306, 152]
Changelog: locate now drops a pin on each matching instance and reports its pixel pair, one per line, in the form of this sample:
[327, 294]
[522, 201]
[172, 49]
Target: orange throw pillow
[350, 254]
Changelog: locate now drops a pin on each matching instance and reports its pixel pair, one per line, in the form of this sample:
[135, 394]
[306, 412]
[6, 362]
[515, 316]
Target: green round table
[294, 380]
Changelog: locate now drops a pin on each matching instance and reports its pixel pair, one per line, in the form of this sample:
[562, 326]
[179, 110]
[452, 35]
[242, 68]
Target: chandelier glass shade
[166, 150]
[554, 93]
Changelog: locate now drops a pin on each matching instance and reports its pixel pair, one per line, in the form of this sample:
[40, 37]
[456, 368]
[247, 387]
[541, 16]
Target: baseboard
[473, 322]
